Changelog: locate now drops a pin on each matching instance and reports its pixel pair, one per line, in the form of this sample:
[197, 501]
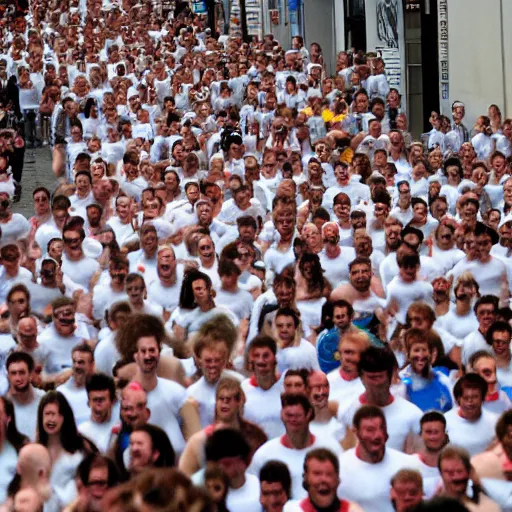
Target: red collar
[364, 399]
[253, 382]
[307, 506]
[492, 397]
[346, 377]
[285, 441]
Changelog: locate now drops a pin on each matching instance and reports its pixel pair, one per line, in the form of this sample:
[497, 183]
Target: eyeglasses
[69, 241]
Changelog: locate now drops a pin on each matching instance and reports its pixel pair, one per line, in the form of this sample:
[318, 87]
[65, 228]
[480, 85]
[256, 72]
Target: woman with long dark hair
[196, 306]
[11, 442]
[56, 429]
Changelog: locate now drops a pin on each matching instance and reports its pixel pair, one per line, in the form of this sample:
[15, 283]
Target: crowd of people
[252, 288]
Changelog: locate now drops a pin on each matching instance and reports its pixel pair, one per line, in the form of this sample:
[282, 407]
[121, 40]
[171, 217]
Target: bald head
[27, 322]
[34, 461]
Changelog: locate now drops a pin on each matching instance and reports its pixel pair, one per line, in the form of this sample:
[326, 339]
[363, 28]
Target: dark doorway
[355, 25]
[430, 60]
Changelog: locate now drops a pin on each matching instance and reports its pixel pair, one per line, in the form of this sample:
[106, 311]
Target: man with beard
[213, 345]
[441, 295]
[59, 338]
[371, 462]
[167, 400]
[461, 320]
[365, 302]
[134, 413]
[105, 295]
[74, 389]
[94, 214]
[425, 387]
[97, 474]
[165, 290]
[321, 480]
[333, 258]
[24, 396]
[455, 468]
[101, 396]
[324, 423]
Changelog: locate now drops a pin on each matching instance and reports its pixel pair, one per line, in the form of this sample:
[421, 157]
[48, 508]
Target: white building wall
[476, 57]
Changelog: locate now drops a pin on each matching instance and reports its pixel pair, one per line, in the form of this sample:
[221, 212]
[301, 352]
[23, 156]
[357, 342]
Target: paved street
[37, 172]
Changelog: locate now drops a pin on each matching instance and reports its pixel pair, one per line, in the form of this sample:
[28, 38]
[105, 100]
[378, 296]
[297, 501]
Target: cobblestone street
[36, 172]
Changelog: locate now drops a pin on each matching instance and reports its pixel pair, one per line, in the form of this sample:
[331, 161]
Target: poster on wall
[444, 71]
[385, 34]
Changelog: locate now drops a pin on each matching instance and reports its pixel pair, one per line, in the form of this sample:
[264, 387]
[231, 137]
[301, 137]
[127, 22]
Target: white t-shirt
[8, 461]
[294, 358]
[369, 484]
[80, 271]
[59, 349]
[239, 302]
[191, 320]
[294, 459]
[78, 400]
[15, 229]
[404, 294]
[263, 407]
[457, 325]
[99, 433]
[402, 419]
[336, 269]
[106, 354]
[246, 498]
[123, 232]
[342, 390]
[165, 403]
[474, 436]
[166, 296]
[472, 343]
[26, 414]
[103, 297]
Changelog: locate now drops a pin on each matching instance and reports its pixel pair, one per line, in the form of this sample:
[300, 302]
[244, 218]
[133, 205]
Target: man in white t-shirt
[229, 449]
[345, 382]
[101, 396]
[376, 369]
[291, 448]
[486, 309]
[24, 396]
[75, 264]
[212, 347]
[165, 289]
[122, 223]
[74, 389]
[321, 479]
[366, 471]
[59, 338]
[263, 389]
[167, 400]
[106, 294]
[406, 288]
[470, 425]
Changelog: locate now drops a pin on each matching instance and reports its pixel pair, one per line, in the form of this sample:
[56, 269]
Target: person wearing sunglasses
[75, 263]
